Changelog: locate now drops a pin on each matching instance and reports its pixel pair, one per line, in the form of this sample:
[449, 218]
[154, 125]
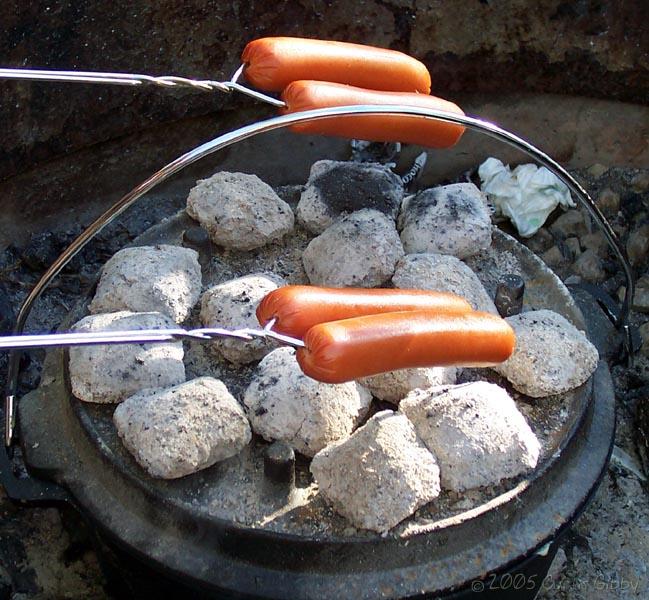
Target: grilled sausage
[297, 308]
[274, 62]
[308, 95]
[341, 351]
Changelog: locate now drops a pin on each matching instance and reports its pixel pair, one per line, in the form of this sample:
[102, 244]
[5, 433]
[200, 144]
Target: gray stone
[641, 295]
[608, 201]
[573, 246]
[239, 211]
[553, 257]
[180, 430]
[541, 241]
[395, 385]
[551, 356]
[284, 404]
[476, 432]
[589, 266]
[597, 170]
[442, 273]
[637, 246]
[232, 305]
[378, 476]
[165, 279]
[596, 242]
[338, 188]
[452, 219]
[570, 223]
[359, 250]
[640, 182]
[111, 373]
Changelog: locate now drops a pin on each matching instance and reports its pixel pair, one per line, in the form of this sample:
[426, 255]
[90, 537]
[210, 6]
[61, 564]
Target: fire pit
[232, 531]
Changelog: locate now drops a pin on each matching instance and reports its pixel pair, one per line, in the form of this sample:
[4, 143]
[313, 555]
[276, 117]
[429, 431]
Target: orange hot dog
[297, 308]
[341, 351]
[274, 62]
[308, 95]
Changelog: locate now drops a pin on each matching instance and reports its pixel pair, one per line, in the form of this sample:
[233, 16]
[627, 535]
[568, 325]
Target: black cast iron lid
[186, 526]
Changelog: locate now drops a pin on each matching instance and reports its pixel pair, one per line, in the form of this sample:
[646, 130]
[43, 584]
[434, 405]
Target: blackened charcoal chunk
[452, 219]
[359, 250]
[476, 432]
[239, 211]
[232, 305]
[378, 476]
[177, 431]
[340, 188]
[284, 404]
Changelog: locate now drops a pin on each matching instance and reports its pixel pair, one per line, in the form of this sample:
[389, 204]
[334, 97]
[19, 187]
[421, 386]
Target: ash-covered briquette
[380, 475]
[239, 211]
[111, 373]
[359, 250]
[476, 432]
[337, 188]
[442, 273]
[395, 385]
[180, 430]
[163, 278]
[551, 355]
[232, 305]
[284, 404]
[451, 219]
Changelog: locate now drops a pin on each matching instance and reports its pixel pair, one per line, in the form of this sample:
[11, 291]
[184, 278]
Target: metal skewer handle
[135, 79]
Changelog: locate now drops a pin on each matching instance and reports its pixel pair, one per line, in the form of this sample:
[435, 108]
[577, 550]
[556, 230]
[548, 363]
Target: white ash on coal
[380, 475]
[284, 404]
[177, 431]
[393, 386]
[451, 219]
[337, 188]
[239, 211]
[475, 431]
[551, 355]
[163, 278]
[442, 273]
[360, 250]
[232, 305]
[111, 373]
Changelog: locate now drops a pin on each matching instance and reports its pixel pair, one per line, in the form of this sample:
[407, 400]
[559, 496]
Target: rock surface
[164, 279]
[111, 373]
[232, 305]
[360, 250]
[239, 211]
[451, 219]
[442, 273]
[180, 430]
[395, 385]
[380, 475]
[551, 355]
[284, 404]
[337, 188]
[476, 432]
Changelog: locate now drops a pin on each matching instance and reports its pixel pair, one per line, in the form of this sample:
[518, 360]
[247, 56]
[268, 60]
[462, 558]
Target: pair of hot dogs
[352, 333]
[315, 74]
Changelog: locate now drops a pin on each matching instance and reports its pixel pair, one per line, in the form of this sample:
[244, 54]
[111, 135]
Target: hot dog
[272, 63]
[297, 308]
[307, 95]
[341, 351]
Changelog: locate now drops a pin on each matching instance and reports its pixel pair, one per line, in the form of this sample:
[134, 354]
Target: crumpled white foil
[526, 195]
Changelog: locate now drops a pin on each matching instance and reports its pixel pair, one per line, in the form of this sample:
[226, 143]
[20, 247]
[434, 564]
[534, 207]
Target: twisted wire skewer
[137, 79]
[142, 336]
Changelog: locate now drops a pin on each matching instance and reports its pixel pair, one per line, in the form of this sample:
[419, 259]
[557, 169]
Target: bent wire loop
[248, 131]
